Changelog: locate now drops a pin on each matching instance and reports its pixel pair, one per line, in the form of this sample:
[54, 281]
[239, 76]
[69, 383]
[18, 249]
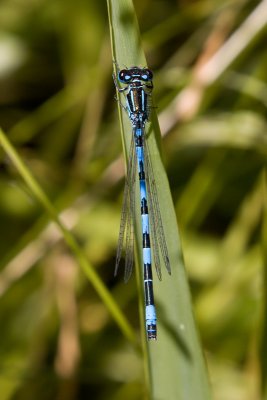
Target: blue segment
[139, 132]
[145, 223]
[147, 255]
[151, 317]
[140, 156]
[143, 190]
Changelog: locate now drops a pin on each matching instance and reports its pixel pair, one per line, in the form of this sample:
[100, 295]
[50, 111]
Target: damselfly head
[135, 73]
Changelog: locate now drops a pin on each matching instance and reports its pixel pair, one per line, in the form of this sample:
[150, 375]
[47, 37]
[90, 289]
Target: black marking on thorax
[137, 102]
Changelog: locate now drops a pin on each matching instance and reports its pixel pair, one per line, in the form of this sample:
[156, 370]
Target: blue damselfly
[137, 87]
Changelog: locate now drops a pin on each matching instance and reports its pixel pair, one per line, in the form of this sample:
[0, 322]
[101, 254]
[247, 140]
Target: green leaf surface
[262, 352]
[176, 364]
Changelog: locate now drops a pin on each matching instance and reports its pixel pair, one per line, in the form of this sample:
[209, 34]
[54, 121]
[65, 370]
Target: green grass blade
[39, 194]
[263, 346]
[176, 364]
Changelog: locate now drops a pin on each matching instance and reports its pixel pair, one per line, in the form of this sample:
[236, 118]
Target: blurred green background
[57, 108]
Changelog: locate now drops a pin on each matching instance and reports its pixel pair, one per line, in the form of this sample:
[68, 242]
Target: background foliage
[58, 340]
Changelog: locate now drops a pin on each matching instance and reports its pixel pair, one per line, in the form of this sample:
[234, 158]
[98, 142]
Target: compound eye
[147, 75]
[124, 76]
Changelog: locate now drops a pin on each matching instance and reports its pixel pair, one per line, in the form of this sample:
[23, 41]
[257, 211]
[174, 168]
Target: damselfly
[137, 87]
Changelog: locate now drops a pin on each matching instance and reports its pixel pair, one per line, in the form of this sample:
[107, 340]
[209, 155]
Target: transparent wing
[126, 233]
[158, 237]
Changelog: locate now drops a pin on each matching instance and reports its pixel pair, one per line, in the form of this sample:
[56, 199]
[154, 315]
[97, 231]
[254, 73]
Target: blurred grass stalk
[205, 74]
[175, 363]
[39, 194]
[263, 344]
